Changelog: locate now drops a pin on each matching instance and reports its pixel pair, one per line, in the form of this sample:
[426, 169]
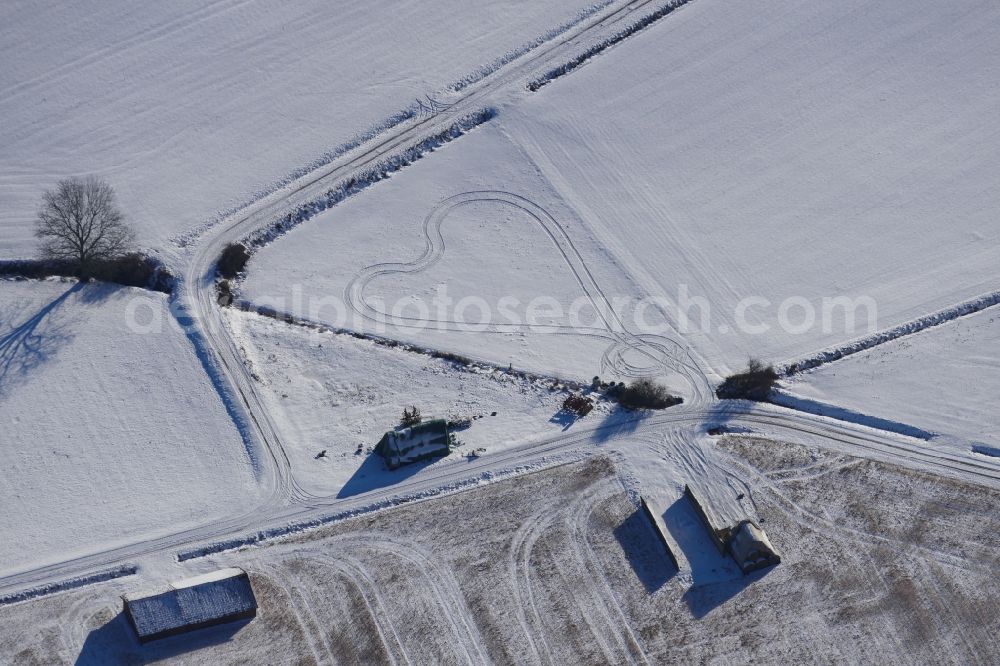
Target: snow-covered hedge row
[605, 44]
[373, 132]
[483, 71]
[134, 269]
[853, 347]
[366, 178]
[69, 584]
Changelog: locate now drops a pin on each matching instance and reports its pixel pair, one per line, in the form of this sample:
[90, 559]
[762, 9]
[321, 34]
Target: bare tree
[80, 221]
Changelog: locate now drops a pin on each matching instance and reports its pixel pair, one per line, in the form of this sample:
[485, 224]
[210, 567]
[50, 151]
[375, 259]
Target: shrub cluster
[578, 404]
[646, 394]
[132, 270]
[232, 260]
[753, 384]
[411, 417]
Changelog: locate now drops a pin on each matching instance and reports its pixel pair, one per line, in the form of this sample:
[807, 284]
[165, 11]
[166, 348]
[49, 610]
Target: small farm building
[751, 548]
[422, 441]
[193, 603]
[744, 540]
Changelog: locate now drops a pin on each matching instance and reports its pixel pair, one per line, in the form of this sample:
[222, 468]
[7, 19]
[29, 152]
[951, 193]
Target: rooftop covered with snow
[221, 596]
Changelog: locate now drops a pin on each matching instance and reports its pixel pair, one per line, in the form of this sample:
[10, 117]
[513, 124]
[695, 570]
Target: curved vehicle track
[519, 569]
[194, 302]
[662, 353]
[613, 618]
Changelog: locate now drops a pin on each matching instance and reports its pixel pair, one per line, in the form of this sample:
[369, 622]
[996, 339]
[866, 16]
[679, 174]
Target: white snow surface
[787, 149]
[491, 252]
[945, 380]
[337, 393]
[776, 149]
[107, 435]
[189, 108]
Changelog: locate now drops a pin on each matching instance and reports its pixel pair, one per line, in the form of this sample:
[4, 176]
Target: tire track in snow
[613, 615]
[810, 520]
[194, 295]
[354, 571]
[664, 354]
[519, 567]
[299, 607]
[446, 588]
[619, 646]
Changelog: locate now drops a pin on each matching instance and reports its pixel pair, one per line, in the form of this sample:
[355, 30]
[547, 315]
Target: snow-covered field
[879, 564]
[189, 108]
[777, 150]
[491, 251]
[335, 393]
[945, 380]
[678, 203]
[108, 433]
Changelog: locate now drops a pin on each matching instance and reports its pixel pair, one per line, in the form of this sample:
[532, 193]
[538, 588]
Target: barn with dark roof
[421, 441]
[203, 601]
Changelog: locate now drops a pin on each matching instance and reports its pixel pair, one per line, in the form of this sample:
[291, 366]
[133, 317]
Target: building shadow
[115, 643]
[704, 599]
[374, 474]
[645, 552]
[34, 340]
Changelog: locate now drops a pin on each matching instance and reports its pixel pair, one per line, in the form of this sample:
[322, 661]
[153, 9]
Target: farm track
[860, 442]
[613, 617]
[194, 300]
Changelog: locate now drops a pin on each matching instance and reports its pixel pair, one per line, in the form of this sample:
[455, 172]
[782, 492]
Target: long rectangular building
[202, 601]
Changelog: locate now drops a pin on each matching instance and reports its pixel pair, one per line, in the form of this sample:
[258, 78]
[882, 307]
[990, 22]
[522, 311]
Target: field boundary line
[831, 354]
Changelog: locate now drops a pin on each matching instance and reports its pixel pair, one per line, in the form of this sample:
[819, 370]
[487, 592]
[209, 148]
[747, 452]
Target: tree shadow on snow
[98, 292]
[115, 643]
[619, 422]
[564, 418]
[645, 552]
[724, 411]
[374, 474]
[34, 340]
